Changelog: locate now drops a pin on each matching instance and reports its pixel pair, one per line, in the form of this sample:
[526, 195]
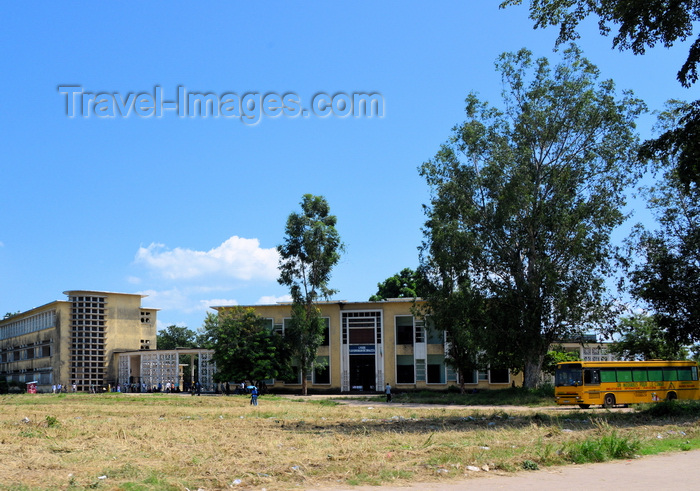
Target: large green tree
[245, 348]
[176, 337]
[310, 250]
[523, 202]
[641, 25]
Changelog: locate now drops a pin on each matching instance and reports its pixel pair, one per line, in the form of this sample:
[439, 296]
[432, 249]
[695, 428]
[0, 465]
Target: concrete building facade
[369, 344]
[75, 341]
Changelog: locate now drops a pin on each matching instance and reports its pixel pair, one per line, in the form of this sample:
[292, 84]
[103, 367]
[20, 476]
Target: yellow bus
[625, 382]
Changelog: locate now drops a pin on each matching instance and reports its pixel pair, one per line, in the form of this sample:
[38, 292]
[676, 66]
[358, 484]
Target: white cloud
[134, 280]
[237, 257]
[269, 299]
[216, 302]
[173, 299]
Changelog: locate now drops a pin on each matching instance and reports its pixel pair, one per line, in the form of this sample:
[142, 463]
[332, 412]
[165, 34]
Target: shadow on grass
[662, 413]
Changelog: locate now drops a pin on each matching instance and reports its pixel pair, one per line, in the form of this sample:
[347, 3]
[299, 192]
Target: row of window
[26, 354]
[26, 325]
[593, 376]
[97, 301]
[362, 330]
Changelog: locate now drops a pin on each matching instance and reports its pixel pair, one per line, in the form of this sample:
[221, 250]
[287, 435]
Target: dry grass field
[157, 441]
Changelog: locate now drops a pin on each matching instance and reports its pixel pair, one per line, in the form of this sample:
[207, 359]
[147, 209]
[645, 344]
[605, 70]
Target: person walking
[387, 391]
[254, 396]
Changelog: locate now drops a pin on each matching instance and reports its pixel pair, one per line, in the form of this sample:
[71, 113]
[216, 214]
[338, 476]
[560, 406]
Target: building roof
[327, 302]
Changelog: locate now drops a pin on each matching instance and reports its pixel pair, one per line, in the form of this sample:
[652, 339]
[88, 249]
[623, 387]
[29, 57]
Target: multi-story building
[368, 344]
[75, 341]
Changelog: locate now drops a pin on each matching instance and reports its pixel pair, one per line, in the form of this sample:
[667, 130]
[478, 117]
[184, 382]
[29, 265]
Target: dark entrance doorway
[362, 372]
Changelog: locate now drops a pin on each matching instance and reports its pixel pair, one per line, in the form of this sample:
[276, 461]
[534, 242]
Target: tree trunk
[532, 372]
[303, 382]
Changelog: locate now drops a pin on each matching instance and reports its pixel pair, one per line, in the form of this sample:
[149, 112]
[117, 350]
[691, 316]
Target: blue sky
[189, 210]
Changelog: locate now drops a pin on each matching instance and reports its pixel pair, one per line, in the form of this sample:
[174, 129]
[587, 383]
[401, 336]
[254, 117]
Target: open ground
[158, 441]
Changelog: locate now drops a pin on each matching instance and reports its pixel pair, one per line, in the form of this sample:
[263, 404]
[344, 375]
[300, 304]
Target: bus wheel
[671, 396]
[609, 400]
[584, 406]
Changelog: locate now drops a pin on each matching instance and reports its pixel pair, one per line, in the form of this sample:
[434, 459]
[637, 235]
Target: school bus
[609, 383]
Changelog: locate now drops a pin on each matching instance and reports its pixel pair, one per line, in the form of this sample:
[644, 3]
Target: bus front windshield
[568, 375]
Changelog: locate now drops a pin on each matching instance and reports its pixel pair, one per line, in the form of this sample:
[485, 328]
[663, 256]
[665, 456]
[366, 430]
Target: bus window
[608, 375]
[695, 372]
[568, 375]
[655, 375]
[624, 375]
[591, 377]
[685, 374]
[670, 374]
[639, 375]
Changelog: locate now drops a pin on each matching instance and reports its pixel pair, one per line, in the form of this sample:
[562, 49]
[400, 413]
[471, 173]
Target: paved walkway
[676, 471]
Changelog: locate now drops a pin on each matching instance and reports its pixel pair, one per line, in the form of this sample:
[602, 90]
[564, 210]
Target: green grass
[602, 448]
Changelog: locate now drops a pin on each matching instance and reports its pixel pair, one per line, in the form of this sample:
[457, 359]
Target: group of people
[59, 388]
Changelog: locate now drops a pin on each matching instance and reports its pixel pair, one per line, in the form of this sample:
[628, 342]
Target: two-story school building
[369, 344]
[75, 341]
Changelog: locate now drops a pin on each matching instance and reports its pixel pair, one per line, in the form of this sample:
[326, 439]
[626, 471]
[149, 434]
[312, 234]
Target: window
[436, 369]
[592, 377]
[471, 377]
[404, 329]
[499, 376]
[363, 335]
[685, 374]
[294, 369]
[326, 333]
[322, 372]
[608, 375]
[435, 336]
[639, 375]
[404, 369]
[670, 374]
[624, 375]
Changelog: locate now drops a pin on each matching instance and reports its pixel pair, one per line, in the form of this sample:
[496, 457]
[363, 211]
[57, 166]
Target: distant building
[75, 341]
[588, 348]
[368, 344]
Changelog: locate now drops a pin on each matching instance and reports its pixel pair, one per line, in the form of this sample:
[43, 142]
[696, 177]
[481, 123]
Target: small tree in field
[310, 250]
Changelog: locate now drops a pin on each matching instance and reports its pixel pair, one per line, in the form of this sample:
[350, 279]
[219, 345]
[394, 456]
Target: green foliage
[405, 284]
[523, 203]
[310, 250]
[244, 347]
[530, 465]
[558, 355]
[176, 337]
[642, 338]
[52, 422]
[641, 25]
[665, 263]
